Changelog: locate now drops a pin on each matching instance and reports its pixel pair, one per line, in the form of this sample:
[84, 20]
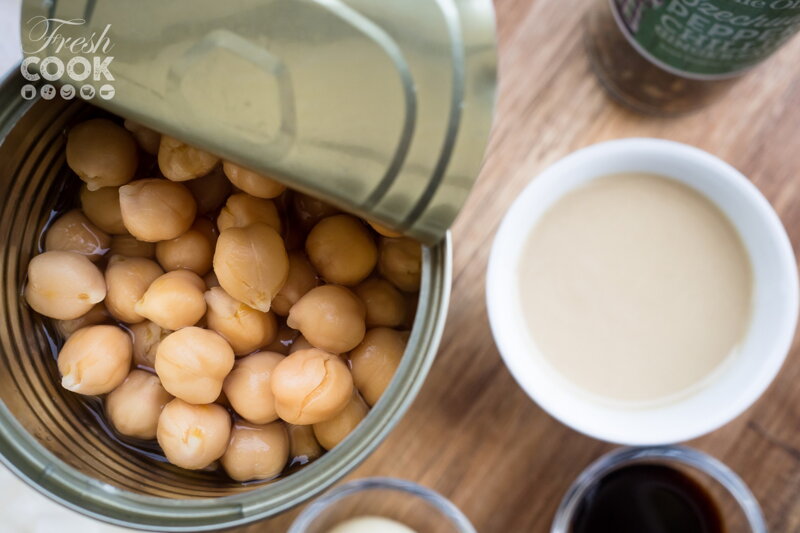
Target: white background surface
[23, 510]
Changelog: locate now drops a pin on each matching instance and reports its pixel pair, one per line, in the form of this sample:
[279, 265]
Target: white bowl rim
[626, 429]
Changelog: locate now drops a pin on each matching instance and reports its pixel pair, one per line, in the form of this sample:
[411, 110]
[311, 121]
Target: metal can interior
[47, 435]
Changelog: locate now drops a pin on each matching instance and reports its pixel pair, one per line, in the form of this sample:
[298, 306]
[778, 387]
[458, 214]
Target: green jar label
[707, 38]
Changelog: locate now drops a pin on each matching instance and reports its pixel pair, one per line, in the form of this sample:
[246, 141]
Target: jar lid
[380, 108]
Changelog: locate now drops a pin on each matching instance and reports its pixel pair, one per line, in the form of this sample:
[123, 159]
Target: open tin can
[402, 150]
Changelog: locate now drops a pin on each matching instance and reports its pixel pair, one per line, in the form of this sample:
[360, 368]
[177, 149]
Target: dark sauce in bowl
[647, 498]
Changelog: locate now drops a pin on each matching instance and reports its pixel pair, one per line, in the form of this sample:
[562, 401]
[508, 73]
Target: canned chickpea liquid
[382, 109]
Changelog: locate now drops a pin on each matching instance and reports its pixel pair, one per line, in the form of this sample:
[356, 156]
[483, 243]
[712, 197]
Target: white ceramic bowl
[738, 382]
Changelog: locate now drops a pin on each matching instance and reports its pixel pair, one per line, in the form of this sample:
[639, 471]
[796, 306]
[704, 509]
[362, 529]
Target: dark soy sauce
[647, 499]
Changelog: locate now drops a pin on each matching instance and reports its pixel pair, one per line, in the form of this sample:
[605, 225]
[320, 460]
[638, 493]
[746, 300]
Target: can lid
[381, 108]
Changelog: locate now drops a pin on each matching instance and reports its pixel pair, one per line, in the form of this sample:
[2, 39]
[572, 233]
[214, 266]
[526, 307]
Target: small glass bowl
[415, 506]
[738, 507]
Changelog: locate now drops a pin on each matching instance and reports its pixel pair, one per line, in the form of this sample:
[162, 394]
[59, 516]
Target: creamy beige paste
[635, 287]
[371, 524]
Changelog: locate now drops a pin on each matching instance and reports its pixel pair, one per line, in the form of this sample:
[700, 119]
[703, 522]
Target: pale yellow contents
[635, 287]
[371, 524]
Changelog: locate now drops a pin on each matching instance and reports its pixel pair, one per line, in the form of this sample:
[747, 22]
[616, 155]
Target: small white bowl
[738, 382]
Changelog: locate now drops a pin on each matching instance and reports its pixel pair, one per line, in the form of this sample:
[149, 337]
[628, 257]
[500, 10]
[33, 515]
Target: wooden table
[472, 433]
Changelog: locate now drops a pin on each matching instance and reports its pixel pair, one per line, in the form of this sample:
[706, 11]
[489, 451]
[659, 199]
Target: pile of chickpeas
[213, 310]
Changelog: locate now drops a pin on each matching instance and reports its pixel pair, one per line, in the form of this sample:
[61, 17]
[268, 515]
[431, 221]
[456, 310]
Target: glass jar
[738, 507]
[52, 440]
[672, 57]
[412, 505]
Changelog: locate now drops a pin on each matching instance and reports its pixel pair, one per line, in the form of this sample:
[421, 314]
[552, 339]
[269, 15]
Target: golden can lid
[380, 108]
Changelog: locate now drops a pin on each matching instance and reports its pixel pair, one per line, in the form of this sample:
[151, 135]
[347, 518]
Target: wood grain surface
[472, 433]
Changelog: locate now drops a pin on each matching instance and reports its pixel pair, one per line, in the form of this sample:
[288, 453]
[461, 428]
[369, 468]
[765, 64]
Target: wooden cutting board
[472, 434]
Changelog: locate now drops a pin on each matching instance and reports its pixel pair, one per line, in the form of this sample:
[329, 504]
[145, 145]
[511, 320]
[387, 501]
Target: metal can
[47, 436]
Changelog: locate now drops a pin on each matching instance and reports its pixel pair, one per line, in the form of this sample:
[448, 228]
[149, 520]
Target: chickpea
[156, 210]
[147, 336]
[311, 386]
[251, 182]
[73, 232]
[101, 153]
[96, 315]
[284, 339]
[63, 285]
[208, 229]
[310, 210]
[192, 364]
[331, 432]
[193, 436]
[129, 246]
[382, 230]
[147, 139]
[127, 279]
[375, 361]
[102, 208]
[300, 343]
[302, 278]
[251, 264]
[256, 452]
[174, 300]
[192, 250]
[330, 317]
[342, 250]
[303, 445]
[133, 408]
[210, 191]
[95, 359]
[242, 210]
[245, 328]
[386, 306]
[401, 263]
[248, 387]
[180, 162]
